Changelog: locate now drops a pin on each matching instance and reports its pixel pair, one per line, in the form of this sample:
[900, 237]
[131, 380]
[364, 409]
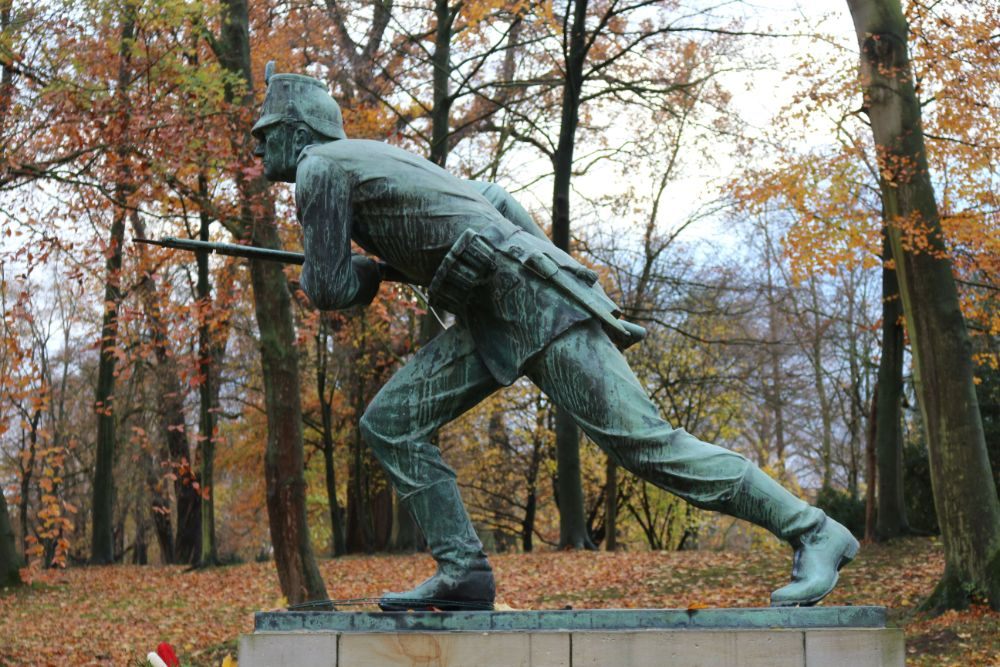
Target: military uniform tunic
[410, 212]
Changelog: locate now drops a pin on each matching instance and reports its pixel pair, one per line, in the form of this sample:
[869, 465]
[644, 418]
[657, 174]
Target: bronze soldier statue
[522, 307]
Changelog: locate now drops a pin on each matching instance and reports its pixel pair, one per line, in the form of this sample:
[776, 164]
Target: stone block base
[417, 640]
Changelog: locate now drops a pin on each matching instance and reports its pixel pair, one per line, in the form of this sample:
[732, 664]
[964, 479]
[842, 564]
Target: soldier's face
[276, 147]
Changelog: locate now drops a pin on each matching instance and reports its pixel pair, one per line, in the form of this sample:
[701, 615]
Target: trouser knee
[376, 432]
[406, 454]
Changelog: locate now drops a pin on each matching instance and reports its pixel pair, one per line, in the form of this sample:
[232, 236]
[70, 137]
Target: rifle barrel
[230, 249]
[388, 272]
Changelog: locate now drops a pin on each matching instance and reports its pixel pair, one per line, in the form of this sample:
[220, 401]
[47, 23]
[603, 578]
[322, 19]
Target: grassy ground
[113, 615]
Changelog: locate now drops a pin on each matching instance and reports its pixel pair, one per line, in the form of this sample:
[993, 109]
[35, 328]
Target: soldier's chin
[277, 175]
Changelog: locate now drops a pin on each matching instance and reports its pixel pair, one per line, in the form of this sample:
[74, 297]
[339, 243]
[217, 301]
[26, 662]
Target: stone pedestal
[767, 637]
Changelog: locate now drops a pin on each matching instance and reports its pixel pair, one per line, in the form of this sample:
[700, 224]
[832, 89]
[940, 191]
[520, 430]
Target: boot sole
[846, 557]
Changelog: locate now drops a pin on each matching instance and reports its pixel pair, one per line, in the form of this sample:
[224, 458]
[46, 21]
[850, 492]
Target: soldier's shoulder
[343, 150]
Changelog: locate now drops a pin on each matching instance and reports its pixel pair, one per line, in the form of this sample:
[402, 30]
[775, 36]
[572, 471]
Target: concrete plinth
[767, 637]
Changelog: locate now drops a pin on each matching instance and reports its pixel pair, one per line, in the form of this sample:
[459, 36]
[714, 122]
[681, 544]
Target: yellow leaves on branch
[821, 194]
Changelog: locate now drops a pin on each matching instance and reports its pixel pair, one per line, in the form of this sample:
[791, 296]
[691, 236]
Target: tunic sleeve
[332, 276]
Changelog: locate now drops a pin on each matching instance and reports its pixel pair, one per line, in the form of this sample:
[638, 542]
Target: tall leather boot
[464, 578]
[822, 546]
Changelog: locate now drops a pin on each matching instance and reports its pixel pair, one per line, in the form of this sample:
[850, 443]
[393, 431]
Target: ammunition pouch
[468, 265]
[473, 259]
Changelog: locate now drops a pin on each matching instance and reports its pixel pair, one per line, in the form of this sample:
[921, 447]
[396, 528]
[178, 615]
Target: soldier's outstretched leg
[443, 380]
[583, 372]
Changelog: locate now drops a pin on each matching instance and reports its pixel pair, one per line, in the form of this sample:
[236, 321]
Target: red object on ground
[166, 653]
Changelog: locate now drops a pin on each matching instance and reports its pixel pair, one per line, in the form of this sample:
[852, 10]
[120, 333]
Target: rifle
[386, 271]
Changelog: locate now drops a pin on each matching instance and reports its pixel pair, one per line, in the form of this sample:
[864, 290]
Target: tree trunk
[298, 574]
[611, 507]
[855, 407]
[102, 550]
[405, 532]
[140, 545]
[528, 524]
[441, 64]
[531, 506]
[27, 472]
[359, 538]
[774, 390]
[360, 534]
[871, 470]
[338, 547]
[817, 336]
[172, 418]
[965, 495]
[572, 518]
[891, 516]
[159, 507]
[10, 561]
[283, 458]
[207, 398]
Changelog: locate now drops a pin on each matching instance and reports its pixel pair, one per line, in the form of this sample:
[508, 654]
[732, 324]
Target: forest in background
[137, 414]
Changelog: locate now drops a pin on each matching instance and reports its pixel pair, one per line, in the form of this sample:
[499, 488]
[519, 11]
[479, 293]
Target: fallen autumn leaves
[109, 615]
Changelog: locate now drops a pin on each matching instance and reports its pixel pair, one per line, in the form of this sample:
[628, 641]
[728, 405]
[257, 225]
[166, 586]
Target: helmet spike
[268, 71]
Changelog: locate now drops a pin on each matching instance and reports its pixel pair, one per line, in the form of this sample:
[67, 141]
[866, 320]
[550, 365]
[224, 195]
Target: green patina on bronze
[575, 620]
[522, 307]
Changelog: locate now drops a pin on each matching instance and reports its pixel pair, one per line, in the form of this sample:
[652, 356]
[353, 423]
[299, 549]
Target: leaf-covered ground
[112, 615]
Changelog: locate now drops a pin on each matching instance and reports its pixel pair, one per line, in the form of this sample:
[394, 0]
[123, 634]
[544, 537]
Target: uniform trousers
[583, 373]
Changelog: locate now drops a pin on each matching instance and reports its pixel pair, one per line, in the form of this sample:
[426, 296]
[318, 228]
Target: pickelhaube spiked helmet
[296, 98]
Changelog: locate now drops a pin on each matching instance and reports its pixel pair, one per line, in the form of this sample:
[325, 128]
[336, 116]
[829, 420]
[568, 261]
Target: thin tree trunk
[298, 574]
[183, 548]
[891, 516]
[102, 549]
[774, 393]
[572, 518]
[27, 473]
[611, 507]
[172, 418]
[854, 424]
[283, 458]
[159, 507]
[817, 334]
[441, 64]
[871, 471]
[358, 513]
[102, 542]
[965, 494]
[360, 517]
[338, 547]
[140, 546]
[207, 395]
[10, 561]
[531, 506]
[528, 524]
[405, 533]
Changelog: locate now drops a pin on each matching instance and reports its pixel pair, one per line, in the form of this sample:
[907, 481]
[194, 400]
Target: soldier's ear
[302, 137]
